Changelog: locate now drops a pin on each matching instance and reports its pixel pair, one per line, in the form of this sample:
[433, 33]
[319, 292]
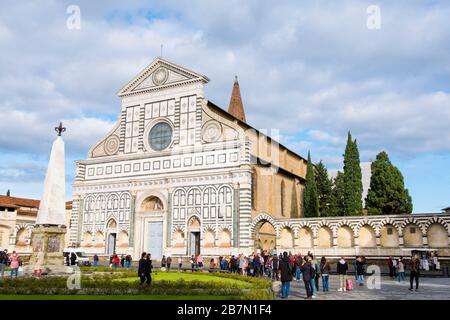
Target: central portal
[155, 239]
[194, 246]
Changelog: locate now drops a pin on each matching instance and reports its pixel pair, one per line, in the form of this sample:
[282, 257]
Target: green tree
[352, 179]
[337, 203]
[387, 193]
[310, 198]
[324, 185]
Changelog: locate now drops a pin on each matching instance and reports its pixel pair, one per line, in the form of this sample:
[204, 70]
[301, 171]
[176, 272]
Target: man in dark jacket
[308, 274]
[3, 261]
[148, 270]
[415, 272]
[142, 267]
[360, 270]
[286, 275]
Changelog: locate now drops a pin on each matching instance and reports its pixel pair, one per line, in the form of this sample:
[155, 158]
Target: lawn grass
[174, 276]
[113, 297]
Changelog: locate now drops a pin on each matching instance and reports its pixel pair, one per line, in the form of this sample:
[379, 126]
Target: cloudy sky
[312, 69]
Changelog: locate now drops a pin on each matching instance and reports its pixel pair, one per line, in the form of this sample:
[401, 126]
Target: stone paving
[429, 289]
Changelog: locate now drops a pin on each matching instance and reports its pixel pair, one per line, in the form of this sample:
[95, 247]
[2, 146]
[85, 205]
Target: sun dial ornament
[160, 76]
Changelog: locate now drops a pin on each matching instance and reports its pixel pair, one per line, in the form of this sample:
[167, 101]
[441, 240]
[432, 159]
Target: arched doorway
[193, 228]
[111, 231]
[265, 236]
[152, 209]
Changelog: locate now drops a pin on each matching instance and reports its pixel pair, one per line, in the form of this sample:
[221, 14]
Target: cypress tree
[324, 189]
[310, 198]
[352, 179]
[387, 193]
[337, 204]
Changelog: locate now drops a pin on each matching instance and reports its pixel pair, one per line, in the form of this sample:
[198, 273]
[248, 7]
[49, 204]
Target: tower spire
[236, 107]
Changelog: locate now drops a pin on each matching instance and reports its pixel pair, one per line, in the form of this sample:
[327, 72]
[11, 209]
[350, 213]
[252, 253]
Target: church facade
[177, 175]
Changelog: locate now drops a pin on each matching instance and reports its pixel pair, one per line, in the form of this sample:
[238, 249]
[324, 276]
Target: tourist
[391, 267]
[148, 270]
[142, 267]
[39, 263]
[245, 266]
[122, 261]
[415, 272]
[116, 261]
[325, 273]
[192, 261]
[275, 267]
[267, 268]
[256, 265]
[180, 263]
[400, 270]
[14, 266]
[169, 262]
[73, 258]
[286, 275]
[360, 271]
[314, 280]
[298, 261]
[128, 261]
[3, 261]
[241, 264]
[342, 268]
[308, 275]
[95, 261]
[355, 264]
[67, 256]
[394, 267]
[200, 261]
[163, 263]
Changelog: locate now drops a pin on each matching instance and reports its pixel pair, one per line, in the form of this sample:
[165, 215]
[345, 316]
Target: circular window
[160, 136]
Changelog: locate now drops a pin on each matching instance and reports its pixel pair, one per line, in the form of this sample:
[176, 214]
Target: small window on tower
[390, 231]
[412, 230]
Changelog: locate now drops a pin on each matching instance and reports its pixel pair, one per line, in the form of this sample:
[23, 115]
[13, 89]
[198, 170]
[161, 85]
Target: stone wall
[372, 236]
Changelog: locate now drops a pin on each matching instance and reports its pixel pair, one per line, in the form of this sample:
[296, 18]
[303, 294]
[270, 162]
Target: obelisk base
[50, 240]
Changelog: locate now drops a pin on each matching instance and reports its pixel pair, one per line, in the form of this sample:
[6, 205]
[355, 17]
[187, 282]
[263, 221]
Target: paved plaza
[429, 289]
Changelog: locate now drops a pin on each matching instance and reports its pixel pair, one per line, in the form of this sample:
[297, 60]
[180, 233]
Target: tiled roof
[18, 202]
[13, 202]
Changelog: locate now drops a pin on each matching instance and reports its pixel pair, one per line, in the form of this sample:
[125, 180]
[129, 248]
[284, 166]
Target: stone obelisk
[49, 231]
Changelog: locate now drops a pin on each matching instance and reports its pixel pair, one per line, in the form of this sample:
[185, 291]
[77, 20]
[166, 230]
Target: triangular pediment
[161, 74]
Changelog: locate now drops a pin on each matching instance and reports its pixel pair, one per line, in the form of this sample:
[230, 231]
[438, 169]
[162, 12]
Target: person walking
[142, 265]
[315, 279]
[122, 261]
[169, 262]
[180, 263]
[73, 259]
[127, 261]
[400, 270]
[163, 263]
[275, 267]
[192, 261]
[95, 261]
[342, 268]
[14, 266]
[3, 261]
[360, 271]
[308, 275]
[325, 272]
[286, 275]
[415, 272]
[298, 267]
[148, 270]
[391, 267]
